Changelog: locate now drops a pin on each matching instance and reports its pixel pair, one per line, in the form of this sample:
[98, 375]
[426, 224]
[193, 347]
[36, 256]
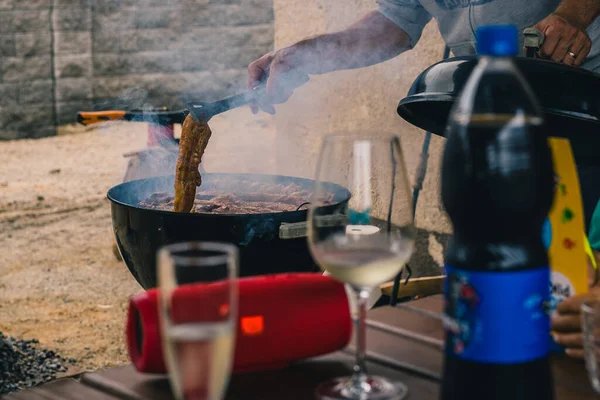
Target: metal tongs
[205, 111]
[200, 111]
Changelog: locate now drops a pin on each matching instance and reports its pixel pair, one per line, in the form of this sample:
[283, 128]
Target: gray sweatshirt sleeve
[407, 14]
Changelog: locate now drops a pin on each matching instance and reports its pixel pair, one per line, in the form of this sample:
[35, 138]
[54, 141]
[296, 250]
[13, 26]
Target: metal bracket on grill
[292, 230]
[533, 40]
[295, 230]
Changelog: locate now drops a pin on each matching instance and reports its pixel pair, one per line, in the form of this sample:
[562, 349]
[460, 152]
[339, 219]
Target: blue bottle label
[497, 317]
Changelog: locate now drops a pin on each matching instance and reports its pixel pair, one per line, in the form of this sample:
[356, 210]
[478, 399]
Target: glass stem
[359, 378]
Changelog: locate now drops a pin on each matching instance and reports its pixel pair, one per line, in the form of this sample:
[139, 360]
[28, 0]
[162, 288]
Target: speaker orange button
[252, 326]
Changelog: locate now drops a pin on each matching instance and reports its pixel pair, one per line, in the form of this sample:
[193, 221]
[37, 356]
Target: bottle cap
[497, 40]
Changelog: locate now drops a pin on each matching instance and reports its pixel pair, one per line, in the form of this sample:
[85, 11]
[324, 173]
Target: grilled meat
[194, 139]
[237, 196]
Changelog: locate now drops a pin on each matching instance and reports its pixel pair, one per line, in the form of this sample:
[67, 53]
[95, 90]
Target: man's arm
[580, 12]
[566, 40]
[371, 40]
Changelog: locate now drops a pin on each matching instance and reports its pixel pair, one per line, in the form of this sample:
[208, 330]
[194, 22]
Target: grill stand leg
[420, 178]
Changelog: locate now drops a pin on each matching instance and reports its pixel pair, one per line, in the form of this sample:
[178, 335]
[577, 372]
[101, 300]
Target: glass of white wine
[360, 230]
[198, 302]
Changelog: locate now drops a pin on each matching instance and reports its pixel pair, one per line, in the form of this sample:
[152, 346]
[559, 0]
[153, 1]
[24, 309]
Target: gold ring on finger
[572, 54]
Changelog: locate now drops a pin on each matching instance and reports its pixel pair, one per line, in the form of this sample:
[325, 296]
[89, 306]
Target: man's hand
[566, 323]
[566, 40]
[286, 71]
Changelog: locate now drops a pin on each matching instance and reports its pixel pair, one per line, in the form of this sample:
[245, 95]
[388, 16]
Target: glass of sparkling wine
[198, 304]
[365, 241]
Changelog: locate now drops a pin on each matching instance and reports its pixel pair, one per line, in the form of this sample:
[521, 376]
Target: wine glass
[198, 295]
[360, 230]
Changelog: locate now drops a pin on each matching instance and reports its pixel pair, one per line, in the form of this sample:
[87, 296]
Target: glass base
[375, 388]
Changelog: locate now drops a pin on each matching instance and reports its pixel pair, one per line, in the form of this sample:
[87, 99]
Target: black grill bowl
[141, 232]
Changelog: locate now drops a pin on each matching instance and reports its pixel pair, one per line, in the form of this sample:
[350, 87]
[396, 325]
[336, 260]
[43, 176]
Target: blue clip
[362, 218]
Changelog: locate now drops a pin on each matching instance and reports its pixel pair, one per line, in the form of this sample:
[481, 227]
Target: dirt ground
[59, 280]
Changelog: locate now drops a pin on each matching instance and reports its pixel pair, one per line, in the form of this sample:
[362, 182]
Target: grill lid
[569, 96]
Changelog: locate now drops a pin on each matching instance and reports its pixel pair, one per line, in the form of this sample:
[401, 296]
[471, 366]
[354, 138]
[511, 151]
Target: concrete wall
[63, 56]
[364, 99]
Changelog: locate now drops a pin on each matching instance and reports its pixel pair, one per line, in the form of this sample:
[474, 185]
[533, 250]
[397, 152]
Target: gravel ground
[59, 280]
[24, 365]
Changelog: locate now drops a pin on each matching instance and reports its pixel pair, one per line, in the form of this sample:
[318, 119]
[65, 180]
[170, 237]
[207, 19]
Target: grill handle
[296, 230]
[533, 40]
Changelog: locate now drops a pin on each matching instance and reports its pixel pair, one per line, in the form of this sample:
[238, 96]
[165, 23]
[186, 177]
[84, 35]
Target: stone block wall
[58, 57]
[26, 78]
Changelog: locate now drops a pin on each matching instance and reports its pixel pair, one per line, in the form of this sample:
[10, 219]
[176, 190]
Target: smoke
[353, 101]
[165, 54]
[129, 99]
[361, 100]
[335, 102]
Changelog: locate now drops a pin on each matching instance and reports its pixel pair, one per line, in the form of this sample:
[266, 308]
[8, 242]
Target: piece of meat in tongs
[193, 142]
[195, 135]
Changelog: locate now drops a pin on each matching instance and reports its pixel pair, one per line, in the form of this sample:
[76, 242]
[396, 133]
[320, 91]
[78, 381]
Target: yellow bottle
[564, 233]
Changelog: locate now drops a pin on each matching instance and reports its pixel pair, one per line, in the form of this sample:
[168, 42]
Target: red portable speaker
[281, 318]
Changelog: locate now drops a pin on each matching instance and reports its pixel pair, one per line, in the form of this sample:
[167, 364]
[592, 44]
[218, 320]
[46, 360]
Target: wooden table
[417, 361]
